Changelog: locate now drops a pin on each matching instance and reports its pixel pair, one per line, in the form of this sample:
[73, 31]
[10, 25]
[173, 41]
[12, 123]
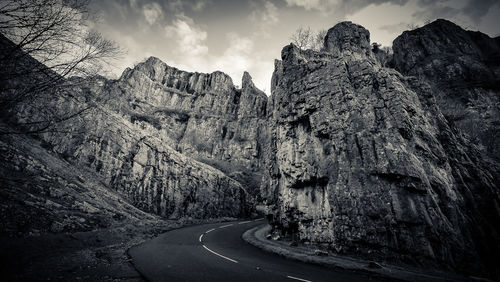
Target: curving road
[216, 252]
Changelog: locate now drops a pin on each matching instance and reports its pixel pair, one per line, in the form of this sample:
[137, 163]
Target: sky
[234, 36]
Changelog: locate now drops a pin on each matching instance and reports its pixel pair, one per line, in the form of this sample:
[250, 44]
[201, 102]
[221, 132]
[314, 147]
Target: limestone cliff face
[362, 160]
[463, 68]
[201, 115]
[158, 135]
[150, 173]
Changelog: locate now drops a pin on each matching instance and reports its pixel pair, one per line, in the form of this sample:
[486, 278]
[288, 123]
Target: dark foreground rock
[361, 160]
[463, 68]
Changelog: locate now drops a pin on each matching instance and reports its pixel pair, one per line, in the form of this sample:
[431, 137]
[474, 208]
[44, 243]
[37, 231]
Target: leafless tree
[319, 40]
[57, 35]
[412, 26]
[306, 38]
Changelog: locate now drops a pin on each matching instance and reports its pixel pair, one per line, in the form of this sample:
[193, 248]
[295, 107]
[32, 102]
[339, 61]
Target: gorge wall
[174, 143]
[177, 143]
[463, 68]
[200, 115]
[362, 160]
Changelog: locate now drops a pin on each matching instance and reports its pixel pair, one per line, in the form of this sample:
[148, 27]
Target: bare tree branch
[42, 43]
[306, 38]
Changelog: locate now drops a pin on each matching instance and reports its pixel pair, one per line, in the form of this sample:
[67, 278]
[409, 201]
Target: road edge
[130, 259]
[256, 237]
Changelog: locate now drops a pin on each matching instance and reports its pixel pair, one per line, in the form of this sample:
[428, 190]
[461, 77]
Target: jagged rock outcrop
[362, 160]
[463, 68]
[148, 138]
[157, 135]
[201, 115]
[156, 178]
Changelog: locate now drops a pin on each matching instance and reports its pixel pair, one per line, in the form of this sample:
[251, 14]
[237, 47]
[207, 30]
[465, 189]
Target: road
[216, 252]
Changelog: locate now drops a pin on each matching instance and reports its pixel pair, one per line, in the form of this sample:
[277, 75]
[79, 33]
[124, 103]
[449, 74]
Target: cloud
[434, 12]
[384, 29]
[177, 7]
[340, 8]
[476, 9]
[199, 5]
[270, 13]
[191, 53]
[239, 57]
[473, 10]
[395, 28]
[310, 4]
[466, 12]
[152, 12]
[190, 38]
[133, 4]
[265, 18]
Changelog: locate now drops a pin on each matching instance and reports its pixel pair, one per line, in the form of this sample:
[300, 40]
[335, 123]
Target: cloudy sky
[237, 35]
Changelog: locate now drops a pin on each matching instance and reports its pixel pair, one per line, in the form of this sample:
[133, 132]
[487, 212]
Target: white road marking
[232, 260]
[243, 222]
[300, 279]
[224, 257]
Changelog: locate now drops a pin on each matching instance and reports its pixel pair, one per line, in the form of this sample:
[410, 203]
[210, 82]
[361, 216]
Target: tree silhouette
[306, 38]
[42, 43]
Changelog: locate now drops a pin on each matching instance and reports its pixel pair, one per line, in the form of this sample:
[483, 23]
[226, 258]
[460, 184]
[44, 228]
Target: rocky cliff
[463, 68]
[203, 116]
[155, 177]
[174, 143]
[359, 158]
[200, 115]
[362, 160]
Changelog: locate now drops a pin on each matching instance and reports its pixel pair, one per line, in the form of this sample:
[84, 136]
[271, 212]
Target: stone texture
[164, 145]
[160, 136]
[42, 192]
[200, 115]
[362, 160]
[156, 178]
[463, 68]
[348, 39]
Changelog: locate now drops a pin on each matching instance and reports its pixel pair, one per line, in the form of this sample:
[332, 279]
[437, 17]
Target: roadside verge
[257, 237]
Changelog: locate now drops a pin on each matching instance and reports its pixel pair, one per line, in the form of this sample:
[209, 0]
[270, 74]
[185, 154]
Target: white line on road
[259, 219]
[227, 225]
[300, 279]
[243, 222]
[201, 236]
[232, 260]
[208, 231]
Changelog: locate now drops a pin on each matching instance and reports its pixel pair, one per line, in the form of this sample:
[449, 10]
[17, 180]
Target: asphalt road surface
[216, 252]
